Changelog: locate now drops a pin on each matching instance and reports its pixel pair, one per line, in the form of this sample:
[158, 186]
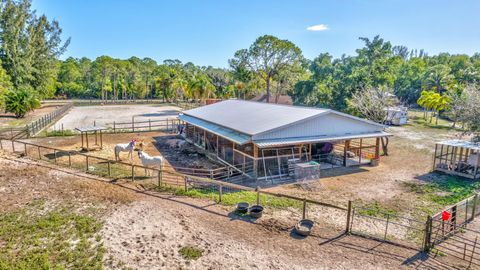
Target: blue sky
[209, 32]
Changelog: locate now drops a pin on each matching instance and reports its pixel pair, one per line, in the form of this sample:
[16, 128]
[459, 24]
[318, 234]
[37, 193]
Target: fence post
[86, 162]
[109, 169]
[39, 155]
[63, 131]
[69, 159]
[160, 178]
[349, 211]
[25, 148]
[133, 124]
[475, 198]
[149, 125]
[386, 227]
[13, 145]
[428, 234]
[185, 182]
[133, 172]
[1, 144]
[55, 156]
[304, 208]
[258, 195]
[113, 126]
[220, 193]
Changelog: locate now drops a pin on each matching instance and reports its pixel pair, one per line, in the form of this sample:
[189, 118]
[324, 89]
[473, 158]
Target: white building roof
[461, 143]
[273, 123]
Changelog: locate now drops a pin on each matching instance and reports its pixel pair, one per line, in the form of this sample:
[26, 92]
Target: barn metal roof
[299, 140]
[461, 143]
[229, 134]
[251, 117]
[247, 121]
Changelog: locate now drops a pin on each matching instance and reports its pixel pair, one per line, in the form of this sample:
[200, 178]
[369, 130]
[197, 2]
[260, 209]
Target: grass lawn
[36, 237]
[232, 198]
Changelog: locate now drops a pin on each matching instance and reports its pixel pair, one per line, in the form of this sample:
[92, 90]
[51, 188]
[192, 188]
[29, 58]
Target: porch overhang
[316, 139]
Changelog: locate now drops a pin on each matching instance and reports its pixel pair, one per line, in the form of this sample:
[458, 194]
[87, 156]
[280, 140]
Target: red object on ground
[446, 215]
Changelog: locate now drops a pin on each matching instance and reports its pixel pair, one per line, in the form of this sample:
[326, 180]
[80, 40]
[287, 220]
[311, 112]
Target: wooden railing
[38, 125]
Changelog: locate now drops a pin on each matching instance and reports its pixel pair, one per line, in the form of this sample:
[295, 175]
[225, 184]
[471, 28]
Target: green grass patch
[58, 133]
[375, 209]
[446, 190]
[232, 198]
[39, 238]
[191, 253]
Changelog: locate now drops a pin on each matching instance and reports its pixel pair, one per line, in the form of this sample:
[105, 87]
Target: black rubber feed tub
[242, 207]
[304, 227]
[256, 211]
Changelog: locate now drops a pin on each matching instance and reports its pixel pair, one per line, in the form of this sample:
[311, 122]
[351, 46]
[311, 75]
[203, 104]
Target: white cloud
[318, 27]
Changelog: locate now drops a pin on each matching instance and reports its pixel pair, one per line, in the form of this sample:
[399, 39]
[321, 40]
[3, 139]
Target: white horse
[149, 161]
[125, 147]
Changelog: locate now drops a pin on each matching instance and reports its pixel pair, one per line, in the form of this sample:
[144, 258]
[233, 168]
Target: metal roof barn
[266, 141]
[266, 122]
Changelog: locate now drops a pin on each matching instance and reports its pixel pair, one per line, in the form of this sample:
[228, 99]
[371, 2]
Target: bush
[190, 253]
[21, 101]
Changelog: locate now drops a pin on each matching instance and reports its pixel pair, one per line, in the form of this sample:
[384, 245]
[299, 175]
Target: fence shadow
[339, 171]
[161, 113]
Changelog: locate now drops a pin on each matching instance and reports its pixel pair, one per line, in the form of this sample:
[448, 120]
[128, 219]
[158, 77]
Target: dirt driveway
[105, 115]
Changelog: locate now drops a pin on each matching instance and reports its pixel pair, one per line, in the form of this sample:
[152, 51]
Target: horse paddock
[80, 116]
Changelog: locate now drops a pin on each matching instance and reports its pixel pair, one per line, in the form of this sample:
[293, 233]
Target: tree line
[30, 70]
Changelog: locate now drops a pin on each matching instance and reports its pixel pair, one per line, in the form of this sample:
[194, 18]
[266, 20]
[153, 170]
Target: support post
[349, 212]
[86, 163]
[39, 155]
[69, 159]
[25, 148]
[258, 195]
[345, 153]
[55, 156]
[133, 173]
[81, 135]
[13, 145]
[149, 125]
[475, 199]
[109, 167]
[114, 127]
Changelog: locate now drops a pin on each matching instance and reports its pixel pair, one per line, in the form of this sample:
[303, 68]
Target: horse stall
[458, 157]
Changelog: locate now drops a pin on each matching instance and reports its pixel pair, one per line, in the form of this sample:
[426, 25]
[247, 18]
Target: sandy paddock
[81, 116]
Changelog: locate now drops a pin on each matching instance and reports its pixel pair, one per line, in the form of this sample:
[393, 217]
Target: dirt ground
[9, 120]
[145, 230]
[81, 116]
[409, 161]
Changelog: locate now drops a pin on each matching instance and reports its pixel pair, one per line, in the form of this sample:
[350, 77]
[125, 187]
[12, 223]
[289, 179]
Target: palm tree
[21, 101]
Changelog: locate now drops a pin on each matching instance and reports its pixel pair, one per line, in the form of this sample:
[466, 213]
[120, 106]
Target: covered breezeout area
[267, 141]
[458, 157]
